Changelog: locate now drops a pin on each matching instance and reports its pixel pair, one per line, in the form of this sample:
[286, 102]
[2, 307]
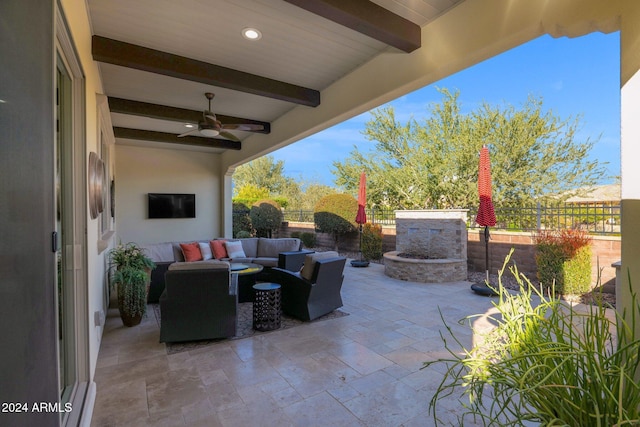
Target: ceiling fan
[211, 127]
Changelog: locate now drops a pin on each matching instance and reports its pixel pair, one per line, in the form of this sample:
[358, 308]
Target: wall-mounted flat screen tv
[165, 205]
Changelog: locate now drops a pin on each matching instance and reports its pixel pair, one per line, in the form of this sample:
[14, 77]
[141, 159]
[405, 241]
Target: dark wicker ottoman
[266, 307]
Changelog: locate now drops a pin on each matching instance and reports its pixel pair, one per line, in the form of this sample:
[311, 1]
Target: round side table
[266, 307]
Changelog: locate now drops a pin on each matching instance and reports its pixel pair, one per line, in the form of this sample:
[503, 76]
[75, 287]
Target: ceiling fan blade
[243, 126]
[228, 135]
[192, 131]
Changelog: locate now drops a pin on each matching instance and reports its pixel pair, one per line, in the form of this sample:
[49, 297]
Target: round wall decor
[96, 185]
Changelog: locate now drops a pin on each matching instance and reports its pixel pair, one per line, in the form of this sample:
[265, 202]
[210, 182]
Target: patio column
[226, 204]
[630, 152]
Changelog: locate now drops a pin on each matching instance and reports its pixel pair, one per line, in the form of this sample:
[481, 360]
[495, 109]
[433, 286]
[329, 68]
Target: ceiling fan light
[209, 132]
[251, 34]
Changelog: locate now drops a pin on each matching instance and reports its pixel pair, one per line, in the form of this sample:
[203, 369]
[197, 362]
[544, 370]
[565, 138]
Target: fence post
[538, 216]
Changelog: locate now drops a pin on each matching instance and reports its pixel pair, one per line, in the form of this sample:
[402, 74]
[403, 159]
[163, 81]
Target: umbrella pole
[361, 256]
[486, 252]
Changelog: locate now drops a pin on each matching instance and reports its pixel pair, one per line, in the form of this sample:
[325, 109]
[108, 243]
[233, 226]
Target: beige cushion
[270, 248]
[235, 250]
[310, 260]
[205, 250]
[200, 265]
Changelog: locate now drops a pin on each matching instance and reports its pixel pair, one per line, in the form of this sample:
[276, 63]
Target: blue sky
[579, 76]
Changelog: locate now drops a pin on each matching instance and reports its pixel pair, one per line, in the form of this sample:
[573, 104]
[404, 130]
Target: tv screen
[163, 205]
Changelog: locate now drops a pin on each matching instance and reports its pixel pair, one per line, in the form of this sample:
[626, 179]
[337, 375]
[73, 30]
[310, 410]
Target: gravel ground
[510, 282]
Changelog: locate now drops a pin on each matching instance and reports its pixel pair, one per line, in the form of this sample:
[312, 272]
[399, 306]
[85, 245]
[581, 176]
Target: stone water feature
[432, 245]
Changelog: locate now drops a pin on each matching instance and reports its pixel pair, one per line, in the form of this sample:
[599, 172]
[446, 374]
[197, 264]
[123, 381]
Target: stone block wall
[435, 233]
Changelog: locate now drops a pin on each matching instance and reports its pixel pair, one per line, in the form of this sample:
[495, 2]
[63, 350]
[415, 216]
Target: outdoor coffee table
[267, 308]
[245, 274]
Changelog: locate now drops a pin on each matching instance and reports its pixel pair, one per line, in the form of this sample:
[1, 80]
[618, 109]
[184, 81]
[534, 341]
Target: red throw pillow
[218, 248]
[191, 251]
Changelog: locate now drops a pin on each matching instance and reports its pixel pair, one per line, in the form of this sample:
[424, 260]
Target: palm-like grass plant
[548, 363]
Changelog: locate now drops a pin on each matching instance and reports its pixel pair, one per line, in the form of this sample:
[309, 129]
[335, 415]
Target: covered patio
[358, 370]
[117, 81]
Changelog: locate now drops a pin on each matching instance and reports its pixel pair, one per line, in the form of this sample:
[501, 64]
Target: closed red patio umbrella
[486, 214]
[361, 216]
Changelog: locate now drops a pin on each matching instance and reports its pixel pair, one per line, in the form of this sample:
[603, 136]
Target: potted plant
[131, 285]
[131, 276]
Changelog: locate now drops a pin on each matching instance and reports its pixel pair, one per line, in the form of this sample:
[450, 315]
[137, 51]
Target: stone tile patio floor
[358, 370]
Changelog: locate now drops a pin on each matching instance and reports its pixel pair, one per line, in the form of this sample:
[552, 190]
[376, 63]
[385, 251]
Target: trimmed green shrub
[266, 216]
[243, 234]
[241, 219]
[308, 239]
[563, 259]
[371, 241]
[335, 214]
[251, 201]
[295, 234]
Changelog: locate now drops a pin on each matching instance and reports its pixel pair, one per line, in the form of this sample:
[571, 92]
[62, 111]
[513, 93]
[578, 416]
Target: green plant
[266, 216]
[243, 234]
[240, 218]
[335, 214]
[295, 234]
[371, 241]
[130, 255]
[546, 363]
[131, 284]
[308, 239]
[563, 257]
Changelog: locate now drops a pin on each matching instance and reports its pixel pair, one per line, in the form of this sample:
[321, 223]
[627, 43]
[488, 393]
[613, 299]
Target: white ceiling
[296, 47]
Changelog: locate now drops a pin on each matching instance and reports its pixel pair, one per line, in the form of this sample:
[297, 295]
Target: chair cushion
[270, 248]
[309, 261]
[159, 252]
[218, 248]
[191, 251]
[235, 250]
[205, 250]
[211, 264]
[250, 246]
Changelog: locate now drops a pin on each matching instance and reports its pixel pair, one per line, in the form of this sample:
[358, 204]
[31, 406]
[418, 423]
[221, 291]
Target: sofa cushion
[270, 248]
[205, 250]
[200, 265]
[266, 261]
[191, 251]
[235, 249]
[159, 252]
[309, 261]
[218, 248]
[250, 246]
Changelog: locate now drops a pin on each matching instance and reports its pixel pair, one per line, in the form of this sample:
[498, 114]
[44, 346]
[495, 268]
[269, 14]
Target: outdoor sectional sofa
[284, 253]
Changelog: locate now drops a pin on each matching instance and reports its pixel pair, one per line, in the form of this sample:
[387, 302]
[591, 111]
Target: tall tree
[434, 163]
[264, 172]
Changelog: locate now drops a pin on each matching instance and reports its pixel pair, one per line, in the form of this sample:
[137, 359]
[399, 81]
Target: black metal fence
[603, 218]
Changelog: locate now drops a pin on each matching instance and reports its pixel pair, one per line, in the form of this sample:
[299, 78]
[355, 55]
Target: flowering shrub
[563, 257]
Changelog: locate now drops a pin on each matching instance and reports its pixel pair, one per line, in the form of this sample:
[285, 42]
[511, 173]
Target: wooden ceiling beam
[154, 61]
[164, 112]
[150, 135]
[367, 18]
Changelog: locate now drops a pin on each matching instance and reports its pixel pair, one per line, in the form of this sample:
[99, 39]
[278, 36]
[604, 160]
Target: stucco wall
[152, 170]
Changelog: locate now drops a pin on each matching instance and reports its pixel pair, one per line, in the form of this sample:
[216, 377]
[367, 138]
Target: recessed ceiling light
[251, 34]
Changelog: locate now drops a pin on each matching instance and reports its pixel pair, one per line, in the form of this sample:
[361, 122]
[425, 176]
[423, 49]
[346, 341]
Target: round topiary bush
[241, 219]
[266, 216]
[335, 214]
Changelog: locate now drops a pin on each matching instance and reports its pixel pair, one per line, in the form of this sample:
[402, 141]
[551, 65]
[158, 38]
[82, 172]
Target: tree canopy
[434, 163]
